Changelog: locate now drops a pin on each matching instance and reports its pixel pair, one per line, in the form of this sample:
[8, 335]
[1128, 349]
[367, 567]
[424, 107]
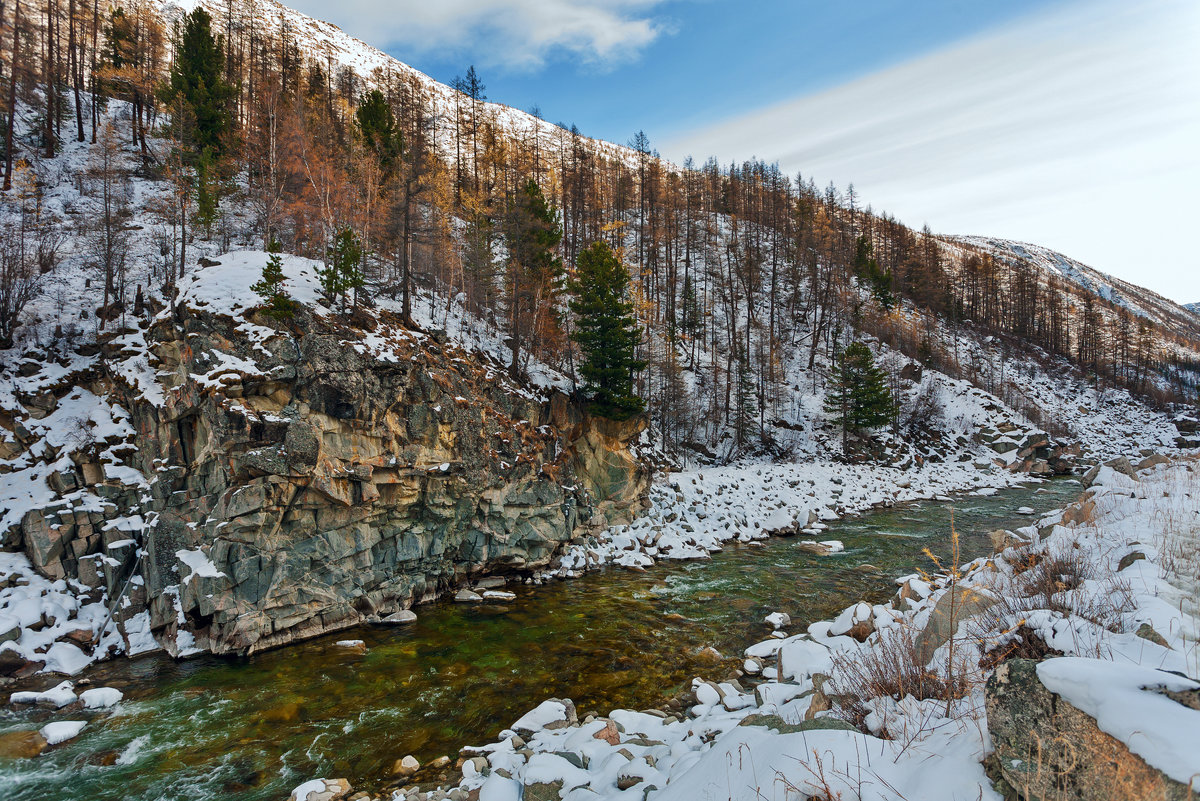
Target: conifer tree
[197, 78]
[378, 127]
[858, 396]
[606, 333]
[343, 273]
[535, 270]
[270, 287]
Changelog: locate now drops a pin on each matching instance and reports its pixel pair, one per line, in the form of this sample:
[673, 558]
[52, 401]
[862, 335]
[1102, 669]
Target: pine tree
[744, 402]
[206, 192]
[343, 273]
[270, 288]
[606, 333]
[858, 396]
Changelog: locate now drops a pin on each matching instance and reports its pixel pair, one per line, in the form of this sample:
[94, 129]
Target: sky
[1073, 124]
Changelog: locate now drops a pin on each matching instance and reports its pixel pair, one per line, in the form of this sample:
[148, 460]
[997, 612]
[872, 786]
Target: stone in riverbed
[405, 766]
[321, 790]
[499, 595]
[21, 744]
[405, 616]
[62, 730]
[778, 620]
[466, 596]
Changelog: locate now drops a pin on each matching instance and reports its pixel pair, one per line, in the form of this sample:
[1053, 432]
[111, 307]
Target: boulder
[1045, 748]
[1152, 461]
[951, 610]
[21, 744]
[543, 791]
[1002, 540]
[405, 766]
[322, 790]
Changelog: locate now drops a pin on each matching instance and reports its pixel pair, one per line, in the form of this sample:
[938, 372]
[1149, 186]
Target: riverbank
[691, 515]
[882, 702]
[216, 728]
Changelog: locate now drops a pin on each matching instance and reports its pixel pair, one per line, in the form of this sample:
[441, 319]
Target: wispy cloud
[518, 34]
[1077, 129]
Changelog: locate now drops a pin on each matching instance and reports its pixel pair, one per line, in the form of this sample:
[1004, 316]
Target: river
[220, 728]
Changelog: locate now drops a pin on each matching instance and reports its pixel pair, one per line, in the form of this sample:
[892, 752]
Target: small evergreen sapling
[276, 301]
[343, 273]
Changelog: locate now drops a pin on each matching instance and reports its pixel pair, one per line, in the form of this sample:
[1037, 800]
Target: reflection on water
[254, 728]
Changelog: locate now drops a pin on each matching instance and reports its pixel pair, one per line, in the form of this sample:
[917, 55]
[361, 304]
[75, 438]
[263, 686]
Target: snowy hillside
[1138, 300]
[323, 40]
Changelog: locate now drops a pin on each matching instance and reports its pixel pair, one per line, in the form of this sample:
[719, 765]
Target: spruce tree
[270, 287]
[198, 79]
[606, 332]
[535, 270]
[378, 127]
[343, 272]
[858, 396]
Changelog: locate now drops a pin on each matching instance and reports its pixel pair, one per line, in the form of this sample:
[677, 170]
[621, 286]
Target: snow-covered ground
[1122, 612]
[691, 514]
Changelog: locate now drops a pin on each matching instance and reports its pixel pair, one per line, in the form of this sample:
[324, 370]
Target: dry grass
[891, 667]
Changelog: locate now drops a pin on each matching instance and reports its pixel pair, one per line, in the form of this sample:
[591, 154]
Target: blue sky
[706, 59]
[1036, 120]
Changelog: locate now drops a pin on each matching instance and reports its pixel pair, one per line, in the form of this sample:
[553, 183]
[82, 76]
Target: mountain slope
[1140, 301]
[325, 41]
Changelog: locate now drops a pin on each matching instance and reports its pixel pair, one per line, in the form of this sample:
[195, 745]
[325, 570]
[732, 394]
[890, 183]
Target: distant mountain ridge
[1136, 299]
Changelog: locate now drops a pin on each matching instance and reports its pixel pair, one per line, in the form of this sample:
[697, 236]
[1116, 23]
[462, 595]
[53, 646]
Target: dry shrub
[892, 667]
[1024, 644]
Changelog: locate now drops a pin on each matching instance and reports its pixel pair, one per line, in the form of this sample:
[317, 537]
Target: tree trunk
[12, 100]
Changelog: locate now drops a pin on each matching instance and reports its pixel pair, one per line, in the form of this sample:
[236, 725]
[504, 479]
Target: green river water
[213, 728]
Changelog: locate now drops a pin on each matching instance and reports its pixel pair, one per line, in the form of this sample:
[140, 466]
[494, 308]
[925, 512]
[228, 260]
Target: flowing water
[218, 728]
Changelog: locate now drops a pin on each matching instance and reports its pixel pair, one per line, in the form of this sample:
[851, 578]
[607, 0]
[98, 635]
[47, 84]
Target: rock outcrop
[306, 476]
[1047, 749]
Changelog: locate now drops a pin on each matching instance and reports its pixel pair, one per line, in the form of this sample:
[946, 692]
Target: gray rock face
[1047, 749]
[950, 611]
[328, 485]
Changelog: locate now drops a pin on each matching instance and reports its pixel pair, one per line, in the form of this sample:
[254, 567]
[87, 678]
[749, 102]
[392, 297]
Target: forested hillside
[142, 141]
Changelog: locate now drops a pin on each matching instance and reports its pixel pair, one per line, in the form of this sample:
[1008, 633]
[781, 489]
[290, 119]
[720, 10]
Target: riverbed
[218, 728]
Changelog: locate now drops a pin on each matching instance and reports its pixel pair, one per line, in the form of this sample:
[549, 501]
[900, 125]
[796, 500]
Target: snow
[693, 514]
[538, 718]
[1120, 698]
[62, 730]
[199, 563]
[59, 696]
[100, 697]
[303, 791]
[910, 748]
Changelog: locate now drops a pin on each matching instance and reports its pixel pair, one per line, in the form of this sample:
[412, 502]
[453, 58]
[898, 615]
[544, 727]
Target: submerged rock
[21, 744]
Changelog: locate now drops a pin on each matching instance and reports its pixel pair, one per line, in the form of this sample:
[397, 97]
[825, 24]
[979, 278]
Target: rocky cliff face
[301, 477]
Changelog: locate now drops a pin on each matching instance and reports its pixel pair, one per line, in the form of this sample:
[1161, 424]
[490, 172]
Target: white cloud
[513, 33]
[1078, 129]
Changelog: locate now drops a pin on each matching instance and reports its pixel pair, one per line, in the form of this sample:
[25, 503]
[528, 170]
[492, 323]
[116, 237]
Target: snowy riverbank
[693, 514]
[882, 702]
